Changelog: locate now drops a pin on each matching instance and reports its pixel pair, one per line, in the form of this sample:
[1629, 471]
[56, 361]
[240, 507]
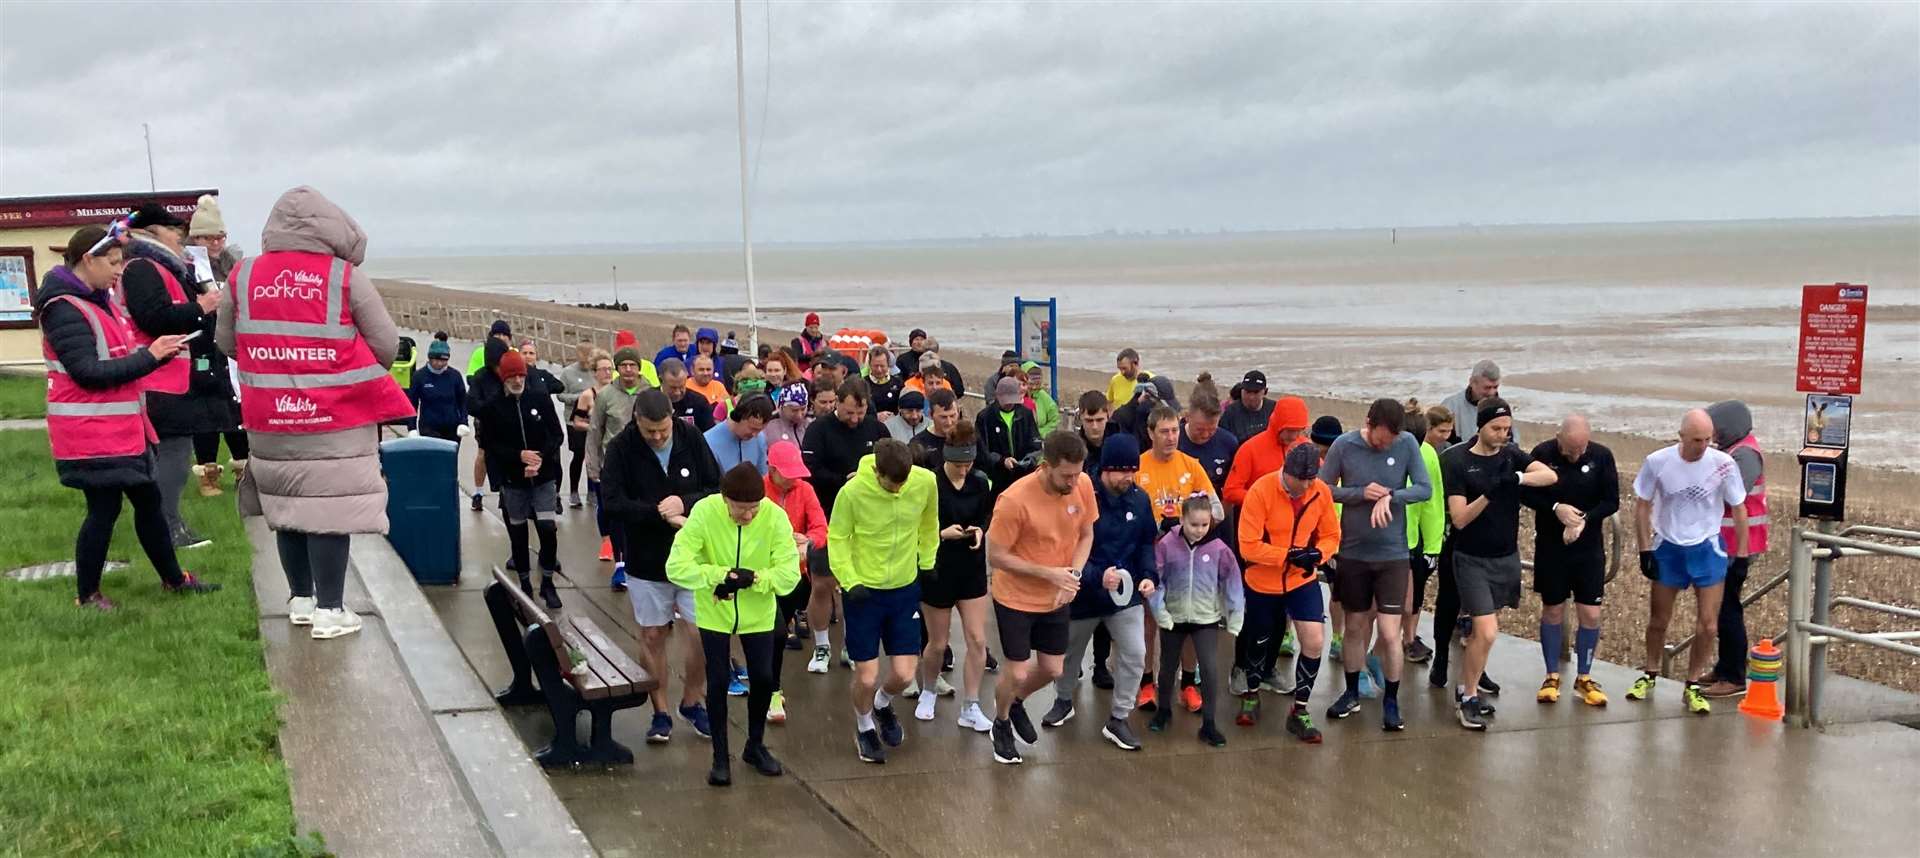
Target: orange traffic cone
[1763, 676]
[606, 549]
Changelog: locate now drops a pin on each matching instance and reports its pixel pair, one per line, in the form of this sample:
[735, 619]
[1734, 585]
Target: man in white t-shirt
[1680, 495]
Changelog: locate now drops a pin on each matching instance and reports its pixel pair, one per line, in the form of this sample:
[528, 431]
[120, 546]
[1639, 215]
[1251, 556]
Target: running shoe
[992, 666]
[478, 504]
[662, 729]
[1005, 750]
[100, 603]
[923, 711]
[619, 580]
[1160, 720]
[1336, 648]
[1642, 688]
[1022, 725]
[1589, 691]
[1437, 673]
[1471, 716]
[1418, 652]
[946, 660]
[846, 658]
[1210, 735]
[1288, 645]
[1549, 690]
[1723, 689]
[1369, 685]
[867, 744]
[696, 715]
[1488, 686]
[1390, 715]
[191, 584]
[1300, 724]
[1249, 710]
[1102, 677]
[1061, 713]
[1120, 735]
[912, 689]
[1190, 698]
[973, 719]
[737, 684]
[818, 664]
[1149, 699]
[721, 774]
[300, 610]
[777, 709]
[573, 501]
[942, 687]
[1696, 702]
[1237, 682]
[1272, 685]
[761, 760]
[1486, 708]
[795, 642]
[889, 724]
[1348, 704]
[330, 623]
[606, 549]
[800, 623]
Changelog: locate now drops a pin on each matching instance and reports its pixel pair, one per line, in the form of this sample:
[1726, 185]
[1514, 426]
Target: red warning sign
[1833, 333]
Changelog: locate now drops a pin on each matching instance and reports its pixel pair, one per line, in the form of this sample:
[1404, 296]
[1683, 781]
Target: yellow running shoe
[1642, 687]
[1549, 690]
[1696, 702]
[1589, 691]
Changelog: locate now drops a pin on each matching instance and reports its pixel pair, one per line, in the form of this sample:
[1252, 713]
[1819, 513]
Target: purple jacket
[1199, 584]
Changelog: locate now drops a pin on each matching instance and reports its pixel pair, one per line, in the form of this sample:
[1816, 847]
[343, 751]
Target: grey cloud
[545, 124]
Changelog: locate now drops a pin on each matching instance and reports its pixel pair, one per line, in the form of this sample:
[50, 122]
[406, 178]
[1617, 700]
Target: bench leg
[563, 703]
[521, 692]
[604, 749]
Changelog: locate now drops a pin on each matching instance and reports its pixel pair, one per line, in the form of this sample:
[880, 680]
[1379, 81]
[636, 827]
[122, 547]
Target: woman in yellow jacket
[736, 554]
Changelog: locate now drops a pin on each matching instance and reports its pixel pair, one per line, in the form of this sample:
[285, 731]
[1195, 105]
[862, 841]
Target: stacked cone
[1763, 678]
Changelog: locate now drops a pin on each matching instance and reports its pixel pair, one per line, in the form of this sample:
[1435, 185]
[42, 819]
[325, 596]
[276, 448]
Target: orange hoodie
[1271, 525]
[1264, 454]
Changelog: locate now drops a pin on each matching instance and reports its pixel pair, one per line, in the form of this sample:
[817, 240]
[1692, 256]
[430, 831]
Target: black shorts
[1582, 576]
[1023, 632]
[944, 588]
[1366, 585]
[817, 563]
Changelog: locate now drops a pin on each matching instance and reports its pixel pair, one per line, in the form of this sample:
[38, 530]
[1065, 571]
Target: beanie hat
[1303, 462]
[912, 399]
[792, 394]
[626, 353]
[438, 348]
[1290, 412]
[813, 319]
[206, 218]
[499, 328]
[511, 364]
[1120, 453]
[1326, 429]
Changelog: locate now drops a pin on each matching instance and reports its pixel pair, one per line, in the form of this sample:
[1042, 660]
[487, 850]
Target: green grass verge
[151, 731]
[22, 397]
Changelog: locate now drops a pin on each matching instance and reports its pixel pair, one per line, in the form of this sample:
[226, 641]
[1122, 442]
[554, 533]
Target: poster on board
[16, 296]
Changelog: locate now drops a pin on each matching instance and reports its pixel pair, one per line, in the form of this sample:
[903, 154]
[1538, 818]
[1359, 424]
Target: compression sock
[1552, 635]
[1585, 641]
[1353, 682]
[1393, 689]
[881, 699]
[1305, 671]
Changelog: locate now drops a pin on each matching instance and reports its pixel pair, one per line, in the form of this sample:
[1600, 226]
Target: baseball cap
[784, 456]
[1303, 462]
[1254, 380]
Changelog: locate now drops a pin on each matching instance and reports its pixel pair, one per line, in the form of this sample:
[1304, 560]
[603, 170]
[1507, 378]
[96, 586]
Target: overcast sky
[574, 123]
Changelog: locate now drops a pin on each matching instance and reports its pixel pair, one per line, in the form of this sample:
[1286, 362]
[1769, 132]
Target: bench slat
[636, 676]
[601, 679]
[530, 610]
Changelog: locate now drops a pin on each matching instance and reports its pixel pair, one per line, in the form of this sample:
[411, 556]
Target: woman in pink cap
[787, 486]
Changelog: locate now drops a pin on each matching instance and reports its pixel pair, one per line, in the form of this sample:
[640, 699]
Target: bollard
[1763, 676]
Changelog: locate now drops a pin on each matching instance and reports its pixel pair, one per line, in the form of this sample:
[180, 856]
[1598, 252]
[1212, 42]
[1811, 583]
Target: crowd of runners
[755, 502]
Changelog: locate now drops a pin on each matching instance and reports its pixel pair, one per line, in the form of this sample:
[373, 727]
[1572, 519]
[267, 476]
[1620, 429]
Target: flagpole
[746, 217]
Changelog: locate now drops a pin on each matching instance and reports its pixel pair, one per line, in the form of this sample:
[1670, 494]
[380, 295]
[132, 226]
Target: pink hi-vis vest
[302, 364]
[96, 424]
[172, 376]
[1756, 505]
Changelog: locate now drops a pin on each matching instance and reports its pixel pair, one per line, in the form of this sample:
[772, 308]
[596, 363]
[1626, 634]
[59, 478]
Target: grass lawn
[22, 397]
[151, 731]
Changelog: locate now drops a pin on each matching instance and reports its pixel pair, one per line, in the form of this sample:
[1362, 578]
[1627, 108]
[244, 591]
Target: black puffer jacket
[510, 424]
[633, 483]
[208, 404]
[66, 330]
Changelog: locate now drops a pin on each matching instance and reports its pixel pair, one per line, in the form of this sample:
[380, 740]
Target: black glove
[737, 579]
[1418, 562]
[856, 593]
[724, 590]
[1305, 558]
[1506, 480]
[1739, 566]
[1649, 567]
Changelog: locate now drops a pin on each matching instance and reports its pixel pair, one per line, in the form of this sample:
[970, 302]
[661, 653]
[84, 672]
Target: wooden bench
[542, 647]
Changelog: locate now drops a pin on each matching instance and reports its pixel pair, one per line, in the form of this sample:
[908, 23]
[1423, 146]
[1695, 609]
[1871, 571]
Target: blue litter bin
[423, 510]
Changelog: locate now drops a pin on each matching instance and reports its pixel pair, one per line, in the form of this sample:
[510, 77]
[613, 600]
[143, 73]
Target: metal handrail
[1809, 609]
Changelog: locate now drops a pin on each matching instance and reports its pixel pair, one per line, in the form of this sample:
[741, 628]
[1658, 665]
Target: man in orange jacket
[1264, 453]
[1287, 530]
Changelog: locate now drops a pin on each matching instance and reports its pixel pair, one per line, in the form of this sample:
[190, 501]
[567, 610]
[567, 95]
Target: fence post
[1819, 611]
[1799, 657]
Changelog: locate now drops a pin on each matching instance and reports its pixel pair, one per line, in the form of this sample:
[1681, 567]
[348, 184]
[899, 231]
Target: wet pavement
[1630, 778]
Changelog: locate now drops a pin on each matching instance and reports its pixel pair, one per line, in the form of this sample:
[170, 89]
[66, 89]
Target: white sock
[864, 720]
[820, 638]
[881, 699]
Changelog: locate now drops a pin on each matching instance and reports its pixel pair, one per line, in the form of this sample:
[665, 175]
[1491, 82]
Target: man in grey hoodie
[1374, 473]
[1733, 434]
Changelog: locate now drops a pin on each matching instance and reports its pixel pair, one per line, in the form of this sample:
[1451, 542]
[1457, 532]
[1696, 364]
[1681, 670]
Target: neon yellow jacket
[880, 538]
[710, 545]
[1427, 520]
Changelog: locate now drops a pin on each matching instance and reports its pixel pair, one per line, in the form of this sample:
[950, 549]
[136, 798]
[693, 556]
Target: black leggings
[206, 446]
[316, 565]
[759, 649]
[1205, 648]
[96, 532]
[577, 445]
[786, 607]
[549, 546]
[1446, 612]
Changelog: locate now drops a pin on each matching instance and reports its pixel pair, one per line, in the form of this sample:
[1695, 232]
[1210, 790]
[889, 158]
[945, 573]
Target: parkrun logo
[290, 404]
[300, 285]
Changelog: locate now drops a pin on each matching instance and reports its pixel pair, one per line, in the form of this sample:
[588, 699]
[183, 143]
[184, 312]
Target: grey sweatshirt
[1350, 465]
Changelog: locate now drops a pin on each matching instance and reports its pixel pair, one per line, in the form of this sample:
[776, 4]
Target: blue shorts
[1703, 564]
[885, 617]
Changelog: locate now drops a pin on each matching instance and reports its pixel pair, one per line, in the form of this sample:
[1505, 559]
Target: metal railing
[1810, 604]
[1672, 651]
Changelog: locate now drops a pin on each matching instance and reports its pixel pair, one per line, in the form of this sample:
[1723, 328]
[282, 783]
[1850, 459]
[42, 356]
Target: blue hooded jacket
[1123, 537]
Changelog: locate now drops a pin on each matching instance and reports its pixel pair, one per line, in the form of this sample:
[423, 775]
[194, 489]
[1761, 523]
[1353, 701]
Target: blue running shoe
[697, 716]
